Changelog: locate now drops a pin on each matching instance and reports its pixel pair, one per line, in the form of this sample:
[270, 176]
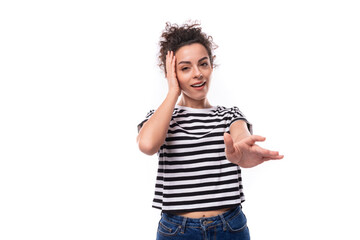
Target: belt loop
[183, 225]
[224, 222]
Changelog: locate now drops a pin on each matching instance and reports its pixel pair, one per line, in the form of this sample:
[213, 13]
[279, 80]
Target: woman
[201, 147]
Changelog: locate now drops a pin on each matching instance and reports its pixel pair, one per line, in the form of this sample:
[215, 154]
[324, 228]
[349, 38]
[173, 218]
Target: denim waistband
[202, 222]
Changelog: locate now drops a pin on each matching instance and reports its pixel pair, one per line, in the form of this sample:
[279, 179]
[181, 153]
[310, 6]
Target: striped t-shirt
[193, 172]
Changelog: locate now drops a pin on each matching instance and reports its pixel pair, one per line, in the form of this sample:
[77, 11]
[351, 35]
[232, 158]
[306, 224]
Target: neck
[203, 103]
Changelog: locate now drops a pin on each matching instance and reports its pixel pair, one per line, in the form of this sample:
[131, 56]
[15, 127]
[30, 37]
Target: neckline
[190, 109]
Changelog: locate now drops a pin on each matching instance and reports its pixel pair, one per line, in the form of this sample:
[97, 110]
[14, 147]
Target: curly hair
[174, 37]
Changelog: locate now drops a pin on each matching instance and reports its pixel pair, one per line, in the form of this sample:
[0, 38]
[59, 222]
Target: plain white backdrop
[78, 76]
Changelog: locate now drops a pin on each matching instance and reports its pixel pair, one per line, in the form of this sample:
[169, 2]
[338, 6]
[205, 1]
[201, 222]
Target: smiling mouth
[199, 85]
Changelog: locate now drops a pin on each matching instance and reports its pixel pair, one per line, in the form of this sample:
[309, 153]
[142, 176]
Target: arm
[153, 133]
[240, 147]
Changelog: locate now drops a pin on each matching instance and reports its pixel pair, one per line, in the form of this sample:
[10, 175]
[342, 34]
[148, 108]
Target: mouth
[198, 85]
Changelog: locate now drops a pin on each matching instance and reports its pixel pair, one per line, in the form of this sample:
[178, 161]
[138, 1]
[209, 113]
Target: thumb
[229, 144]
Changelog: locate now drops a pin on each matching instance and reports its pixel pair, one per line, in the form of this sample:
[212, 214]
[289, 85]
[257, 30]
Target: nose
[197, 73]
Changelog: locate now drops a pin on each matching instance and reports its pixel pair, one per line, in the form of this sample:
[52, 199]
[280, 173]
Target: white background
[78, 76]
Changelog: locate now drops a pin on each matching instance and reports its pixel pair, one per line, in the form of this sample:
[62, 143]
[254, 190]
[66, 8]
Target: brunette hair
[174, 37]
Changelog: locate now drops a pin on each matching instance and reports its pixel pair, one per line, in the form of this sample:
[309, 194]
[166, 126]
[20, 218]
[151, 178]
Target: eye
[184, 68]
[204, 64]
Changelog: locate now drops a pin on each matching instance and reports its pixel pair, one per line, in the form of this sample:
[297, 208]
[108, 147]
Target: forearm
[239, 131]
[153, 133]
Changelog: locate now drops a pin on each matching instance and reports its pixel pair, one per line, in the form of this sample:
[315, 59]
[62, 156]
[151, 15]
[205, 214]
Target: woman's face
[193, 70]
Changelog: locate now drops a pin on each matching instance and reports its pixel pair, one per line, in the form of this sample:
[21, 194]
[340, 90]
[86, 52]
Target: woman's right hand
[154, 131]
[173, 82]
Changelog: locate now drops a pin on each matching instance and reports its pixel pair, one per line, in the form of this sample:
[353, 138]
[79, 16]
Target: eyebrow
[188, 62]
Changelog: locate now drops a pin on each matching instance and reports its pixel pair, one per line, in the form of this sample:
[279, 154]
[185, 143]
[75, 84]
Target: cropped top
[193, 172]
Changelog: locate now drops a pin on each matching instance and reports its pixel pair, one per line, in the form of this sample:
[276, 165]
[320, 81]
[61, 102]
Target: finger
[167, 61]
[229, 143]
[171, 55]
[269, 152]
[279, 157]
[254, 138]
[273, 158]
[173, 63]
[265, 152]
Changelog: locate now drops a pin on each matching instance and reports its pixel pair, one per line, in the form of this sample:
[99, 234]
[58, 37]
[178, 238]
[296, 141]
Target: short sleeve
[148, 115]
[236, 115]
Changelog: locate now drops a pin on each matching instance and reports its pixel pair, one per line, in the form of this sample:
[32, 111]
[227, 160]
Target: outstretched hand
[246, 153]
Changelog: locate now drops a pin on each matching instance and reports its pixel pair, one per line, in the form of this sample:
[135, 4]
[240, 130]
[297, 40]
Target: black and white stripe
[193, 172]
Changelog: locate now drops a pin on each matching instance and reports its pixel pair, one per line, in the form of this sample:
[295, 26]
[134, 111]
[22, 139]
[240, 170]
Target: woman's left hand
[246, 153]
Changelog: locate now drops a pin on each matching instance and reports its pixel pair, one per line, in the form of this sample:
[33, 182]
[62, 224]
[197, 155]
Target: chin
[194, 97]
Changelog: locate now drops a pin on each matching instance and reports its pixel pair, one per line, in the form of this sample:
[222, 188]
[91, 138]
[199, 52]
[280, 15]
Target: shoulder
[178, 110]
[223, 108]
[230, 110]
[151, 112]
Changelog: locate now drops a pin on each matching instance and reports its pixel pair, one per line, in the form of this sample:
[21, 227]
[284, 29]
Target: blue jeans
[229, 225]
